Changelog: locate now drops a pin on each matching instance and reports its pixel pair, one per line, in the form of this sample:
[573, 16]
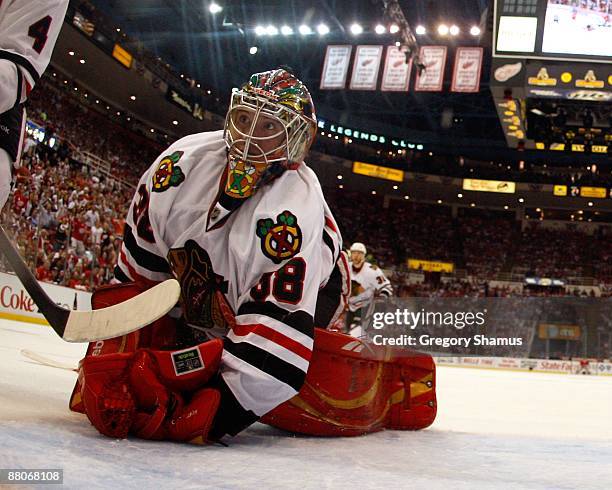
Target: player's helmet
[279, 95]
[358, 247]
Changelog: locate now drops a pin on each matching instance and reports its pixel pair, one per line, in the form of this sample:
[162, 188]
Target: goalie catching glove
[160, 395]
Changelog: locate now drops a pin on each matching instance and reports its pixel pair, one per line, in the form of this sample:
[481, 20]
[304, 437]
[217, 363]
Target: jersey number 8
[287, 283]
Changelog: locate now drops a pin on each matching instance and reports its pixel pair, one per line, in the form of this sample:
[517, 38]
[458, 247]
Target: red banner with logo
[466, 73]
[396, 74]
[431, 78]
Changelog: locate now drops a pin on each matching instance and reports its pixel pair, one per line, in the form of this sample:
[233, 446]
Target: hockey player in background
[368, 282]
[240, 220]
[28, 32]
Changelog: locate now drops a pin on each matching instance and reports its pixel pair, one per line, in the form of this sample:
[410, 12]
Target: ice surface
[494, 430]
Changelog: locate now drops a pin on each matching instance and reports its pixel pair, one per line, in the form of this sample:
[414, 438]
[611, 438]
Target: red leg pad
[192, 422]
[353, 388]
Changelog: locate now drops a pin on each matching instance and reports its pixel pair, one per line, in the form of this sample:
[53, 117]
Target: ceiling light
[260, 31]
[215, 8]
[71, 53]
[454, 30]
[356, 29]
[175, 122]
[271, 30]
[380, 29]
[420, 30]
[322, 29]
[286, 31]
[443, 29]
[394, 29]
[305, 30]
[132, 97]
[82, 62]
[253, 50]
[475, 31]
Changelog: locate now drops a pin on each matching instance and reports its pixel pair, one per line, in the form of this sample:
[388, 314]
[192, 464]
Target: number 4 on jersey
[39, 31]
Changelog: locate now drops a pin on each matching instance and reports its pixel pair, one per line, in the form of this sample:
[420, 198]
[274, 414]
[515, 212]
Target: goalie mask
[269, 128]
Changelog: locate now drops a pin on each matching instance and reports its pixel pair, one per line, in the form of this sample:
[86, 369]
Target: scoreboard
[552, 29]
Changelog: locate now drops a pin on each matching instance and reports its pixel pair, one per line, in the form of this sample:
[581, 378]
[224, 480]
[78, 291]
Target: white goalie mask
[269, 128]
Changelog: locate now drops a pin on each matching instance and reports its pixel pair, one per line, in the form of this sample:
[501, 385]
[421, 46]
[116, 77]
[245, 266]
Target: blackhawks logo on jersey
[280, 240]
[168, 173]
[202, 290]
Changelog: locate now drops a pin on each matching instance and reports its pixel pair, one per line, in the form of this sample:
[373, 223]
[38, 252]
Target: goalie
[239, 219]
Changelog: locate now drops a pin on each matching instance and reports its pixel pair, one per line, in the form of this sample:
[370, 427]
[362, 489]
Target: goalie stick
[47, 361]
[102, 324]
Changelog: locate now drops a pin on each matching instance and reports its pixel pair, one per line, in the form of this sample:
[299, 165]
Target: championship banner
[432, 77]
[489, 186]
[466, 73]
[396, 74]
[430, 266]
[365, 67]
[335, 67]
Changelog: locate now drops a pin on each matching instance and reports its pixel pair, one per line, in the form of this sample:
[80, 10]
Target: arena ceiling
[214, 50]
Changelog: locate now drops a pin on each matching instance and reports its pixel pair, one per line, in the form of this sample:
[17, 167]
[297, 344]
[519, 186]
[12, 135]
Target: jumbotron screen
[579, 30]
[582, 28]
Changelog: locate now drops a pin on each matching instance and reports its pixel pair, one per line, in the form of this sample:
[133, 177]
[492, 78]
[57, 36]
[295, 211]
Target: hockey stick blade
[47, 361]
[102, 324]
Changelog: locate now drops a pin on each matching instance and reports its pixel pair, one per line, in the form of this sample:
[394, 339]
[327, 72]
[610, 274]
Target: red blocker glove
[153, 394]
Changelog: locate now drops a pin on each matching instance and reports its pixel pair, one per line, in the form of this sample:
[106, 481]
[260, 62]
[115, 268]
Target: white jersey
[28, 31]
[366, 283]
[252, 276]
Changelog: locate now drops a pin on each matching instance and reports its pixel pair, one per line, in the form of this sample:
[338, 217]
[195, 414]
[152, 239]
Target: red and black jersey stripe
[267, 362]
[299, 320]
[144, 258]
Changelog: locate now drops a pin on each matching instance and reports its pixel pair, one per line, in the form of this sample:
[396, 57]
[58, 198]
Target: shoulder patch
[168, 173]
[281, 240]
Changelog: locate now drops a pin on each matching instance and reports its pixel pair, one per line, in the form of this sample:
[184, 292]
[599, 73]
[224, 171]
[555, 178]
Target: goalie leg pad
[192, 422]
[354, 387]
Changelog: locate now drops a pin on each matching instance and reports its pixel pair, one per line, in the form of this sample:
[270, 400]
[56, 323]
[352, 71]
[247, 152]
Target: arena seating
[68, 219]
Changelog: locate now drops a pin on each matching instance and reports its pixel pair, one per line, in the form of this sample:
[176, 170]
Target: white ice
[494, 430]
